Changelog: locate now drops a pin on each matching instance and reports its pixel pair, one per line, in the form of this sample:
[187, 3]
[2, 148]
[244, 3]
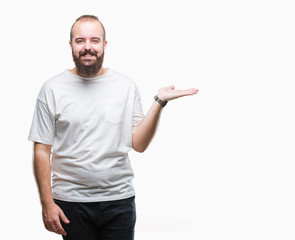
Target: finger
[172, 87]
[193, 90]
[52, 228]
[65, 220]
[190, 91]
[63, 217]
[59, 229]
[49, 228]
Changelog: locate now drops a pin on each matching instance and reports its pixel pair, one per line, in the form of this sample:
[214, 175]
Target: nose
[87, 45]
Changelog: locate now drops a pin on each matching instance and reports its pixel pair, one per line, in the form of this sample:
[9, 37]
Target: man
[85, 122]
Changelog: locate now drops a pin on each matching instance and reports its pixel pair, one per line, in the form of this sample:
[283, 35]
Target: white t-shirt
[89, 123]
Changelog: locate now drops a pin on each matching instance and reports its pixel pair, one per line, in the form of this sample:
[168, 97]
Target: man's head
[87, 40]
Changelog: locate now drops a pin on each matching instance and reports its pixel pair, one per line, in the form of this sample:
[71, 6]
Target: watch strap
[161, 102]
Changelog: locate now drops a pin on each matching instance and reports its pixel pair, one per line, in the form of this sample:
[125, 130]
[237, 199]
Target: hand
[51, 218]
[170, 93]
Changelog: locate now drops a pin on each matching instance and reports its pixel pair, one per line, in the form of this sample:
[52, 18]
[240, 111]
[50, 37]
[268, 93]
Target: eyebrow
[81, 38]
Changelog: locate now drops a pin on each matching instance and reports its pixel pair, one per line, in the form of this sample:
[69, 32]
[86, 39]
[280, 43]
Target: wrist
[161, 101]
[47, 202]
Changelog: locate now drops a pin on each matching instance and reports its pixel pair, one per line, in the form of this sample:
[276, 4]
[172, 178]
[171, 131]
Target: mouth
[88, 57]
[87, 54]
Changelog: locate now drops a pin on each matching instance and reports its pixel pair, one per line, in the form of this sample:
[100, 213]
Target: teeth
[87, 54]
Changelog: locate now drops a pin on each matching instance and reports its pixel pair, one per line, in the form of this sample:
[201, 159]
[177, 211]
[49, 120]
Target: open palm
[170, 93]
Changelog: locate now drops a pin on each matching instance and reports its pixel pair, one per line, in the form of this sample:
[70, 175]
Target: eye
[95, 40]
[79, 41]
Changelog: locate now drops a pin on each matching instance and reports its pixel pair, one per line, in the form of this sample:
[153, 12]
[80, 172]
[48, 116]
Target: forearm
[42, 170]
[148, 126]
[50, 211]
[146, 130]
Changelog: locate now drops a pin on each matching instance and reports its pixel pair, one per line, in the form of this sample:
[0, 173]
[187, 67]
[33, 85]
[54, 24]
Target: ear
[71, 45]
[105, 44]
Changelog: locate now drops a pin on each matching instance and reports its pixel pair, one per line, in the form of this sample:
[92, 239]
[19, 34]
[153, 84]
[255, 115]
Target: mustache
[83, 53]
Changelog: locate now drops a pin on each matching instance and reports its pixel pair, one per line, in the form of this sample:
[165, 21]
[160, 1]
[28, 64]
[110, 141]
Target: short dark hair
[88, 18]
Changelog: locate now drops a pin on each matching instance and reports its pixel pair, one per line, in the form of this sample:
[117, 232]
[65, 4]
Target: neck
[100, 72]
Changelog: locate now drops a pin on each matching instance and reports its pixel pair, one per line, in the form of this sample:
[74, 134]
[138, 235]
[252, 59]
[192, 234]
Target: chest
[92, 105]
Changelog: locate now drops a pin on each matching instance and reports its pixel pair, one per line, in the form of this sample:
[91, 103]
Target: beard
[88, 70]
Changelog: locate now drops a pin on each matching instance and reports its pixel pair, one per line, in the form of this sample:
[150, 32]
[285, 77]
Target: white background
[222, 163]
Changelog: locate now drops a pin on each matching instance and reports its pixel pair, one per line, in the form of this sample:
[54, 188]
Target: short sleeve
[43, 125]
[138, 114]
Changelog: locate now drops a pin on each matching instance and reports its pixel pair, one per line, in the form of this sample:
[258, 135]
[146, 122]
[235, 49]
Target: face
[88, 47]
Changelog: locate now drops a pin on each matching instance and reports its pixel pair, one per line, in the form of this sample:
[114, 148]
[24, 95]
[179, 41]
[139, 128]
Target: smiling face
[88, 47]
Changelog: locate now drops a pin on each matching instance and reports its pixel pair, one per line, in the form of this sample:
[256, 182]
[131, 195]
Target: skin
[51, 213]
[89, 35]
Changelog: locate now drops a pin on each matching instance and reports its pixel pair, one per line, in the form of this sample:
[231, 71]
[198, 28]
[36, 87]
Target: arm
[50, 211]
[146, 130]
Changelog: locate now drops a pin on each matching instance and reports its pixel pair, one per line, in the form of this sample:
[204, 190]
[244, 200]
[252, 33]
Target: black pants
[112, 220]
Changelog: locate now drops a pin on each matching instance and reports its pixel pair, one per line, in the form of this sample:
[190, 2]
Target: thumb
[63, 217]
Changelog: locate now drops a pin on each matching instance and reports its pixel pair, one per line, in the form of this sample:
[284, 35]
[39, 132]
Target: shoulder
[123, 78]
[50, 85]
[55, 80]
